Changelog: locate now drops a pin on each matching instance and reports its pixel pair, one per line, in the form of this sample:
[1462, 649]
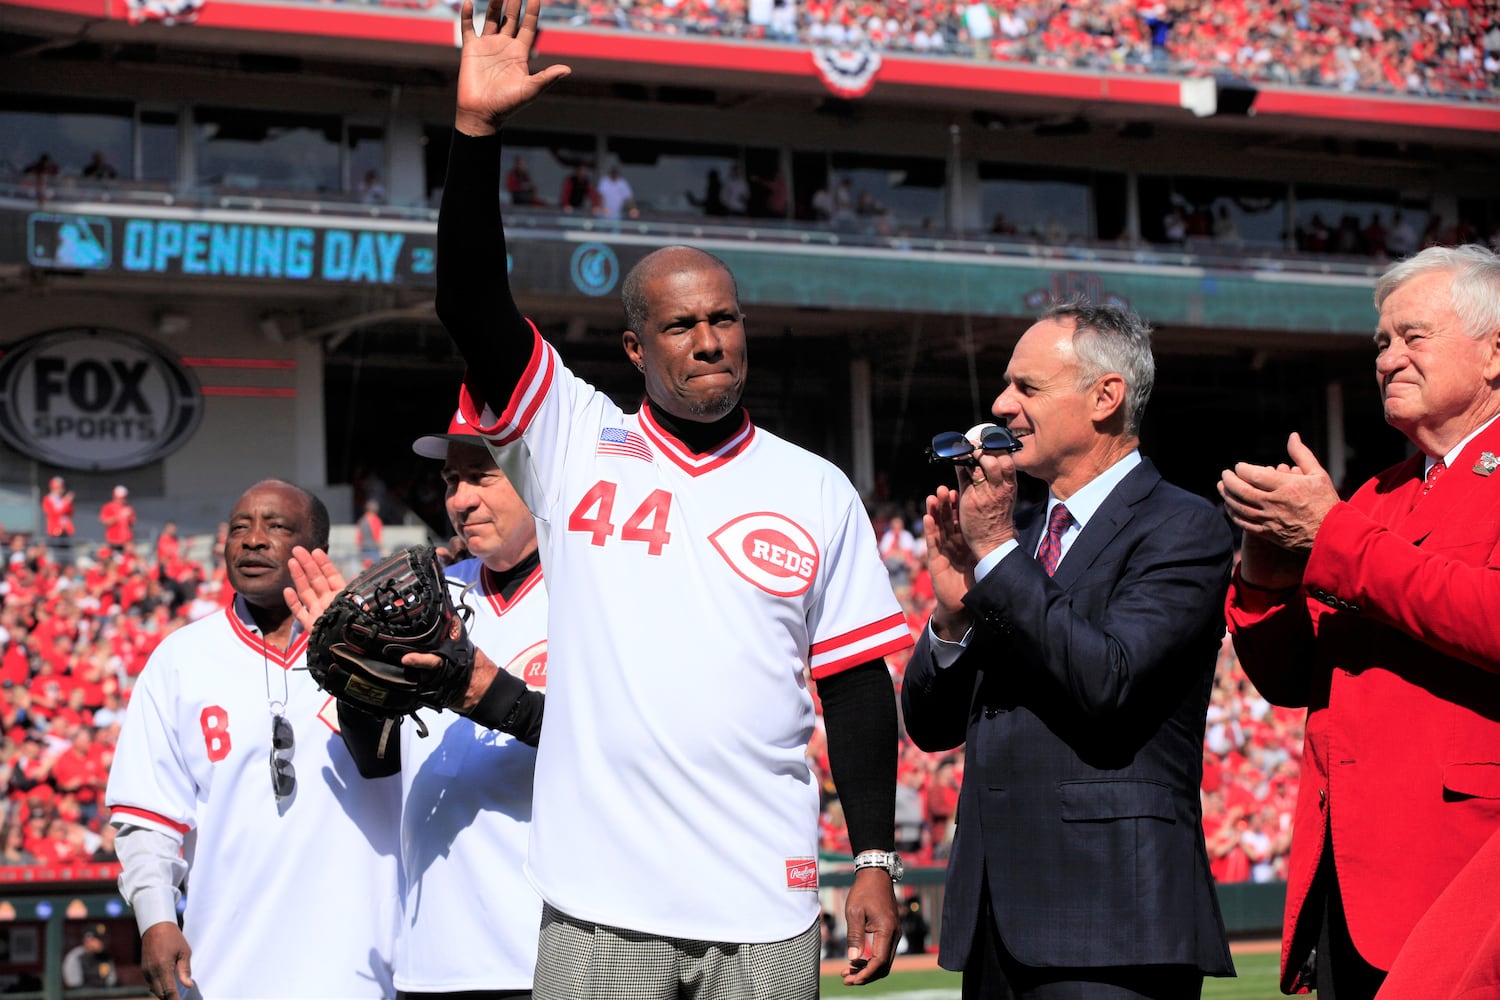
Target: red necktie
[1432, 476]
[1050, 552]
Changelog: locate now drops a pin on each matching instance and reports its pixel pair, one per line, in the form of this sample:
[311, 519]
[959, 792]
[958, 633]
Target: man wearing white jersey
[470, 919]
[702, 571]
[230, 770]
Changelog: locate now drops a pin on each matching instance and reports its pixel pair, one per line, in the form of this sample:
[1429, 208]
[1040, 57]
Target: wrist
[888, 862]
[474, 126]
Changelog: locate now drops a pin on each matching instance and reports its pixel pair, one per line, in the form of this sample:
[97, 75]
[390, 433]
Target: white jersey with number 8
[290, 900]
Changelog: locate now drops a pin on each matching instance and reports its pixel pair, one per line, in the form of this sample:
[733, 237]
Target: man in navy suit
[1073, 648]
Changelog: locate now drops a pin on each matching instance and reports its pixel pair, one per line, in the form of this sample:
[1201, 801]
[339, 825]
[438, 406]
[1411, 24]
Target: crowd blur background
[81, 618]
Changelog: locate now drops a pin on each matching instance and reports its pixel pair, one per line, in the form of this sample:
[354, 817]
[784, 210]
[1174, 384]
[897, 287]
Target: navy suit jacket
[1082, 700]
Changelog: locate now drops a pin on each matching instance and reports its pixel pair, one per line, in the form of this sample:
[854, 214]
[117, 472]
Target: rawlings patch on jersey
[531, 666]
[769, 551]
[802, 874]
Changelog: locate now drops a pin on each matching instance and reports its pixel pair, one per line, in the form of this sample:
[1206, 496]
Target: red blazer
[1454, 951]
[1394, 647]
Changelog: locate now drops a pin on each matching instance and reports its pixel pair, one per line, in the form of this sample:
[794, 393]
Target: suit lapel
[1116, 511]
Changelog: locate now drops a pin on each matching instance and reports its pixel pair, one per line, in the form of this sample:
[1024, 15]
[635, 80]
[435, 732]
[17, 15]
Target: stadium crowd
[1413, 47]
[75, 632]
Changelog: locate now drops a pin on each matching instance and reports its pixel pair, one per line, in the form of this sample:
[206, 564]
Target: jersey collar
[249, 633]
[692, 462]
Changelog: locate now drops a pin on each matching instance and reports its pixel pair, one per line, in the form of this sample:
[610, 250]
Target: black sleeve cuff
[509, 706]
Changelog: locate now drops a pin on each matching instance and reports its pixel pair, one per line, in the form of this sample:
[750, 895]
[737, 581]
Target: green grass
[1257, 981]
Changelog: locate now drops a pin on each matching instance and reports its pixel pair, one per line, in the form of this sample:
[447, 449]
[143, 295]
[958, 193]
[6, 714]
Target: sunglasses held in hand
[956, 448]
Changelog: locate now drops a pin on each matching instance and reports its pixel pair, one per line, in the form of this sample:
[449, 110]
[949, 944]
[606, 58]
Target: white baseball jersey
[471, 917]
[690, 596]
[296, 900]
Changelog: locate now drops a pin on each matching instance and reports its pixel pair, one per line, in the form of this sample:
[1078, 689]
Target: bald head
[667, 260]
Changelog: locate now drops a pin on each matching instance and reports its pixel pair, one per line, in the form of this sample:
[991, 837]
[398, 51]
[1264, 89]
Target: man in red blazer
[1379, 615]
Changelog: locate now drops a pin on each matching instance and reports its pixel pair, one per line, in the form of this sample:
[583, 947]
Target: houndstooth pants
[578, 960]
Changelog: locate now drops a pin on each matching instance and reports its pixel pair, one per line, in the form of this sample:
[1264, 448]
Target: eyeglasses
[283, 774]
[955, 448]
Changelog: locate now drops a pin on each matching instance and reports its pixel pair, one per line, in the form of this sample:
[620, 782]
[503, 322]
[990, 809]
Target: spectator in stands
[578, 191]
[736, 192]
[99, 168]
[518, 183]
[42, 167]
[371, 191]
[1174, 227]
[1377, 615]
[910, 818]
[57, 515]
[769, 196]
[942, 805]
[369, 534]
[1374, 237]
[13, 847]
[1402, 239]
[1226, 230]
[900, 550]
[616, 196]
[712, 202]
[118, 518]
[90, 963]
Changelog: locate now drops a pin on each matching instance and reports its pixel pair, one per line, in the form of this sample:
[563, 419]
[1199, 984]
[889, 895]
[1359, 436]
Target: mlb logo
[802, 874]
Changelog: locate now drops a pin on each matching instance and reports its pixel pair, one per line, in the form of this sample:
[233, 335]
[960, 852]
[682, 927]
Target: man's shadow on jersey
[468, 756]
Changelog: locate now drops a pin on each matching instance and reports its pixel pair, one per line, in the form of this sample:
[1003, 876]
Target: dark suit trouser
[1342, 972]
[994, 974]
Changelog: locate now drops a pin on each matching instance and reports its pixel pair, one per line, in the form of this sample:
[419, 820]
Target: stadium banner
[891, 276]
[231, 245]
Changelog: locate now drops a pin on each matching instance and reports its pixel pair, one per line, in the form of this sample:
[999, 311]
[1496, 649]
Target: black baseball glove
[399, 605]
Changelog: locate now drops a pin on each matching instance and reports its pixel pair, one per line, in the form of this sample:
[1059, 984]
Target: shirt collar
[1452, 456]
[1084, 504]
[241, 610]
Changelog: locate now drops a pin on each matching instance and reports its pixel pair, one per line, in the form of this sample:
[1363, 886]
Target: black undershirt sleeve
[509, 706]
[474, 299]
[859, 713]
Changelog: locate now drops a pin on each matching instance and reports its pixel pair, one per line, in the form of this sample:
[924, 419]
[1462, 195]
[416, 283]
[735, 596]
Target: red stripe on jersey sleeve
[146, 814]
[855, 659]
[819, 648]
[471, 405]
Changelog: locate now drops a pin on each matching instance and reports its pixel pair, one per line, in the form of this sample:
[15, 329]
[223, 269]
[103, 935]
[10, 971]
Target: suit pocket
[1097, 801]
[1471, 781]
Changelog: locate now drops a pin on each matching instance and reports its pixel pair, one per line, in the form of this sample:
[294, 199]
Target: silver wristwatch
[888, 860]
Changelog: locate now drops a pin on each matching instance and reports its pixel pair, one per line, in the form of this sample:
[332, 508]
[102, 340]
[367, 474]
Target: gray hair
[1108, 339]
[1476, 283]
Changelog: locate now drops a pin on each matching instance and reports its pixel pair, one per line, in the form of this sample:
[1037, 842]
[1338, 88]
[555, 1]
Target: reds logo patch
[531, 666]
[802, 874]
[770, 551]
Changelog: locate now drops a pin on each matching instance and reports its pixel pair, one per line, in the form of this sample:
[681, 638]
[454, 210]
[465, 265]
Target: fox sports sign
[95, 400]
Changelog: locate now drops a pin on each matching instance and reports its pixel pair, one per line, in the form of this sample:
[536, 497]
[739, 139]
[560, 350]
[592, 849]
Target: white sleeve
[151, 869]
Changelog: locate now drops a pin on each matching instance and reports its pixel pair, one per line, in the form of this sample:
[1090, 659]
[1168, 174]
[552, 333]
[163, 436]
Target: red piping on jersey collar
[692, 462]
[255, 641]
[492, 594]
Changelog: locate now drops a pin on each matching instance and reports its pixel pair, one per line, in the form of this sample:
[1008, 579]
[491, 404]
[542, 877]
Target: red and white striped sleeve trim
[831, 656]
[122, 815]
[531, 389]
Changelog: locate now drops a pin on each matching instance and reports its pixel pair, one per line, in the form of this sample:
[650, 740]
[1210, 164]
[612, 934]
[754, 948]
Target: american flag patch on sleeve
[619, 441]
